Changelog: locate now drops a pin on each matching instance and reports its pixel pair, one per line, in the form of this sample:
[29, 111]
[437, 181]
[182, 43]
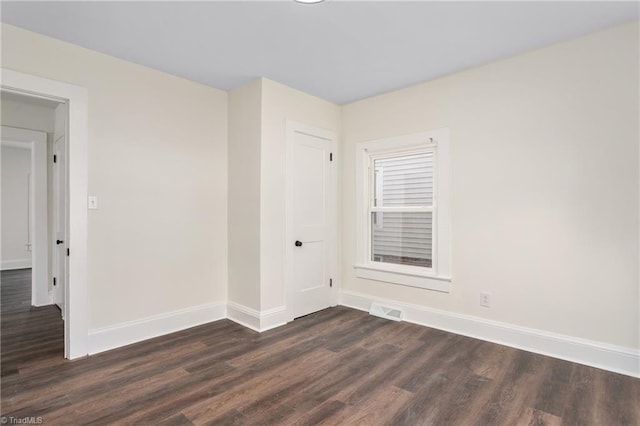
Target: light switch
[93, 202]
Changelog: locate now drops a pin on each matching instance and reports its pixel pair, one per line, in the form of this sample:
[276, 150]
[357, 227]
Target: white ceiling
[338, 50]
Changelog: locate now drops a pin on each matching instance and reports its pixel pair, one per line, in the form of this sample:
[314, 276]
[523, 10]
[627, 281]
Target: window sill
[408, 278]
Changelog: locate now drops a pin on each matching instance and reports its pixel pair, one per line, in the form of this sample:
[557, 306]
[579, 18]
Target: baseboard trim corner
[613, 358]
[273, 318]
[244, 316]
[259, 321]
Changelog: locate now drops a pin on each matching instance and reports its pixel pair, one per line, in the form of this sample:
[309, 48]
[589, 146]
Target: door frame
[36, 143]
[76, 322]
[291, 128]
[60, 197]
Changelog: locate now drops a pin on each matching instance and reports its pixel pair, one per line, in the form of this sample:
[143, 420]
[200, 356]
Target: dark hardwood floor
[338, 366]
[30, 336]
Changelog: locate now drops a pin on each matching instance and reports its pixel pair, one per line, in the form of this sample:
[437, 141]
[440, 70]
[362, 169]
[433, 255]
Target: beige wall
[258, 112]
[280, 103]
[158, 163]
[545, 183]
[244, 194]
[15, 168]
[545, 186]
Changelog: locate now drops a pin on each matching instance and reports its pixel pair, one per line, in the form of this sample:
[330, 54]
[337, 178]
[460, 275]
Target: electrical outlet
[485, 300]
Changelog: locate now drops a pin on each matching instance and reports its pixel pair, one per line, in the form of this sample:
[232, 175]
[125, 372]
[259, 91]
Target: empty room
[320, 212]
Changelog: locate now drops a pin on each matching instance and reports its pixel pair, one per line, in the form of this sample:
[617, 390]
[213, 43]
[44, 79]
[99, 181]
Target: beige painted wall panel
[244, 194]
[158, 163]
[545, 186]
[280, 103]
[15, 168]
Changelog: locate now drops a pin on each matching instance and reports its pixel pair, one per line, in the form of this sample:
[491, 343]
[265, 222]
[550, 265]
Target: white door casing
[76, 322]
[59, 244]
[311, 220]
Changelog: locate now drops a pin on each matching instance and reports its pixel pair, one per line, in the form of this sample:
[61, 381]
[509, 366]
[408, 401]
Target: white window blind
[402, 208]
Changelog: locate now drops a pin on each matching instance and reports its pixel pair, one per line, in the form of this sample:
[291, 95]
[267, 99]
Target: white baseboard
[119, 335]
[243, 315]
[273, 318]
[40, 298]
[596, 354]
[7, 265]
[256, 320]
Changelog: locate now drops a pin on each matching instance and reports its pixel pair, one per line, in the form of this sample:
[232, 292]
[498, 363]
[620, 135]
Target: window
[403, 208]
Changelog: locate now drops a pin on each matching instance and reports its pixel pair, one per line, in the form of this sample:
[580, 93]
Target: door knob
[59, 242]
[298, 243]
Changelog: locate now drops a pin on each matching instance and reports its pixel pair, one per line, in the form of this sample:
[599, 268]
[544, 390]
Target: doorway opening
[73, 179]
[34, 194]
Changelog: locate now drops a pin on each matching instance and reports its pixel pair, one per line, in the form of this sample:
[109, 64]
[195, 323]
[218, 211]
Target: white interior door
[313, 219]
[60, 208]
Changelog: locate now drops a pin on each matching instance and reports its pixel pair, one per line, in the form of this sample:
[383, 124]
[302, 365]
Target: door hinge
[54, 280]
[55, 158]
[67, 252]
[331, 156]
[330, 282]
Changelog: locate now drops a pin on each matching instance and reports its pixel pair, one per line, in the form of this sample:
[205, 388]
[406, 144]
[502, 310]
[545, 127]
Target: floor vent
[388, 312]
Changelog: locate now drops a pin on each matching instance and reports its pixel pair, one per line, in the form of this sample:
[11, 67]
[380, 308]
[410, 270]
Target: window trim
[438, 277]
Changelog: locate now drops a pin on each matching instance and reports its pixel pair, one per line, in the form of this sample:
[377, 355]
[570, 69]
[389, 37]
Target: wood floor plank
[533, 417]
[516, 391]
[322, 414]
[554, 389]
[95, 406]
[272, 380]
[112, 376]
[160, 404]
[421, 362]
[377, 408]
[175, 420]
[338, 366]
